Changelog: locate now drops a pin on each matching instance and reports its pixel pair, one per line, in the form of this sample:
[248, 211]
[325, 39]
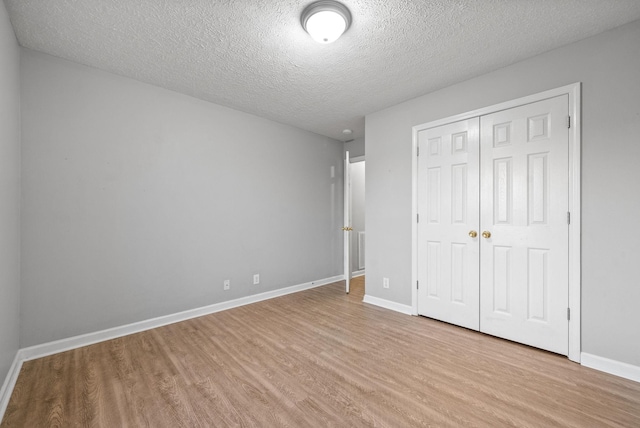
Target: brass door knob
[486, 234]
[473, 234]
[347, 229]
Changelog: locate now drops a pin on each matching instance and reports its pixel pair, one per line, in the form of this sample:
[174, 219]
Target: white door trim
[347, 223]
[573, 91]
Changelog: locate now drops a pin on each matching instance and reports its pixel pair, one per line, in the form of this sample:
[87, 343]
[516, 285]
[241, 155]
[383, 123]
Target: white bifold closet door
[493, 232]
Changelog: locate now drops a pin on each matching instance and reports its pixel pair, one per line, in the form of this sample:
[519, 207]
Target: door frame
[573, 91]
[347, 272]
[346, 229]
[353, 160]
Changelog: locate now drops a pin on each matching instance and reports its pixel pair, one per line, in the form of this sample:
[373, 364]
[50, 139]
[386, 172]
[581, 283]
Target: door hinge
[568, 314]
[417, 218]
[418, 151]
[568, 121]
[568, 217]
[418, 285]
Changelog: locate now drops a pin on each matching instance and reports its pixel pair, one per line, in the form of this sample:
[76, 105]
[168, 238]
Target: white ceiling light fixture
[325, 21]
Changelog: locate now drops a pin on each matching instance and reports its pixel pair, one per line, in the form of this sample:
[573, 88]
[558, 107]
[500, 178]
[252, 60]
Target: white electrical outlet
[227, 284]
[385, 282]
[256, 279]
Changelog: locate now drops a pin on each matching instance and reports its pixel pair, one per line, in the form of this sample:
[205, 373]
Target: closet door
[524, 230]
[448, 240]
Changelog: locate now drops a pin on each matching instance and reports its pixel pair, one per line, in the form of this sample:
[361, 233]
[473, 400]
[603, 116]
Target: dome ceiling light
[325, 21]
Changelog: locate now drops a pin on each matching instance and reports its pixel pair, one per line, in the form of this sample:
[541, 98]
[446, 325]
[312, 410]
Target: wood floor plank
[315, 358]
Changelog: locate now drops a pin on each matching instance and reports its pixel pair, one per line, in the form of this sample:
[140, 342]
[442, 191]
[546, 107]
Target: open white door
[347, 223]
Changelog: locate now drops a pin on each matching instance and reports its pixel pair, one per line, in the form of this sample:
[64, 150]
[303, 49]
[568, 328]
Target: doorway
[358, 235]
[354, 219]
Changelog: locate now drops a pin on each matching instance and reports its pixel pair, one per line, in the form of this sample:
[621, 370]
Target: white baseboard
[10, 383]
[618, 368]
[357, 273]
[388, 304]
[50, 348]
[67, 344]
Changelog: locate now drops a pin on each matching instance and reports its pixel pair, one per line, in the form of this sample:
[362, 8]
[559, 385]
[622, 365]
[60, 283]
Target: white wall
[9, 194]
[357, 209]
[138, 202]
[608, 65]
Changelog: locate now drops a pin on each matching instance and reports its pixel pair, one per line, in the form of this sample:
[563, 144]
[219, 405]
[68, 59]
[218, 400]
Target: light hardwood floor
[316, 358]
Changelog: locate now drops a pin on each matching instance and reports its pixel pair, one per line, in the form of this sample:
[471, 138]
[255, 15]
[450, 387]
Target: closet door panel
[524, 204]
[448, 189]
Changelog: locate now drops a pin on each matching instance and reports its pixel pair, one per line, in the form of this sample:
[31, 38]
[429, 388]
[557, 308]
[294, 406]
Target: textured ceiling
[254, 56]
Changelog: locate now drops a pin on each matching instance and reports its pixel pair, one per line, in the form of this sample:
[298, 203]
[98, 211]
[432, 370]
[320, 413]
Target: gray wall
[355, 147]
[9, 194]
[608, 65]
[357, 209]
[138, 202]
